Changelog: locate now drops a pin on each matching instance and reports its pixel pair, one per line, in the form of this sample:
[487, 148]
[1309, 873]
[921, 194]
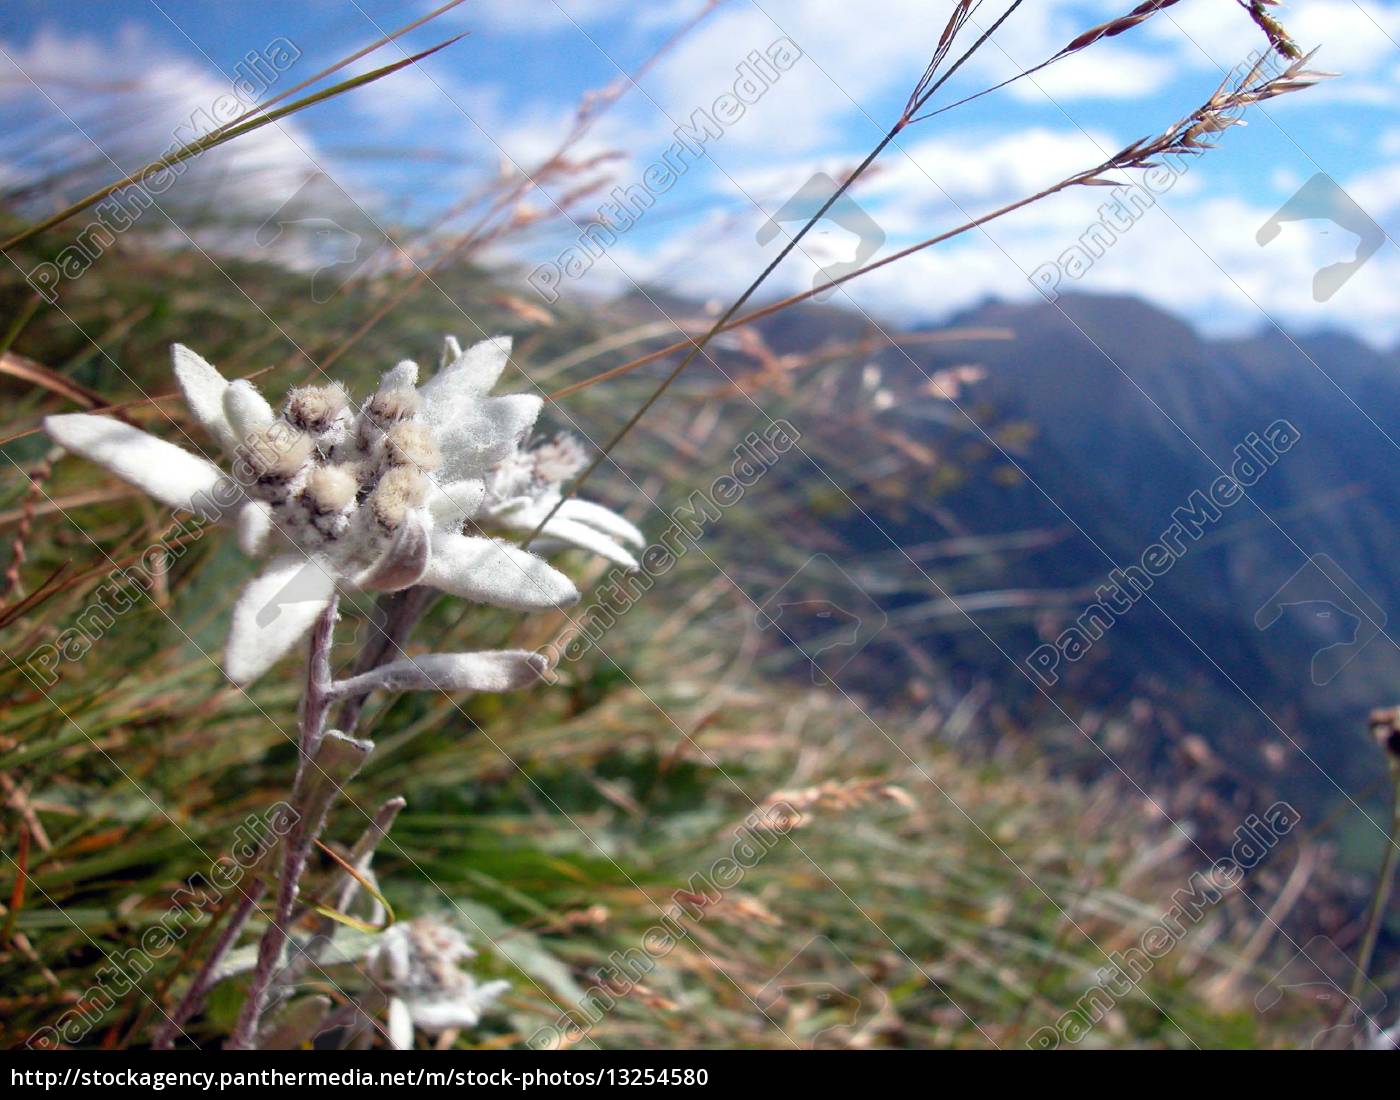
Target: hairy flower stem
[300, 837]
[313, 945]
[317, 701]
[402, 611]
[193, 1000]
[1381, 898]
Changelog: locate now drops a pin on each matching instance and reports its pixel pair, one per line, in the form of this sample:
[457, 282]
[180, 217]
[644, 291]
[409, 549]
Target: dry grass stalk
[834, 796]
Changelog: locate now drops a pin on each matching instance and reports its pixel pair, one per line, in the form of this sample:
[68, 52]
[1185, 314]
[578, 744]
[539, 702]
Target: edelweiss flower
[524, 487]
[374, 499]
[416, 964]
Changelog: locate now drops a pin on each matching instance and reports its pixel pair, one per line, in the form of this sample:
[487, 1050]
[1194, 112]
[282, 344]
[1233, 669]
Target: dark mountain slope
[1134, 412]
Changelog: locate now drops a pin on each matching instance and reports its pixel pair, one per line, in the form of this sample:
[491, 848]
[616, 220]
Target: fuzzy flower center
[333, 477]
[434, 954]
[535, 472]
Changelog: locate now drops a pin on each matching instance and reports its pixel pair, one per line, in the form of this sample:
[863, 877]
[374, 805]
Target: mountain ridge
[1134, 414]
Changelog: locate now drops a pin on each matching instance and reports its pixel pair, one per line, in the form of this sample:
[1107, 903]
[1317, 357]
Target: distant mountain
[1273, 623]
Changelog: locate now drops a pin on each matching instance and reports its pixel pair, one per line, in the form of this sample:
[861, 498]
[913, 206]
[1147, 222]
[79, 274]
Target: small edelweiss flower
[374, 498]
[524, 487]
[416, 965]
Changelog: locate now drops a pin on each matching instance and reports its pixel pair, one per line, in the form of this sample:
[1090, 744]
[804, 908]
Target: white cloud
[1104, 72]
[134, 102]
[1377, 191]
[270, 194]
[1356, 37]
[990, 168]
[824, 114]
[846, 70]
[1195, 255]
[1112, 69]
[515, 16]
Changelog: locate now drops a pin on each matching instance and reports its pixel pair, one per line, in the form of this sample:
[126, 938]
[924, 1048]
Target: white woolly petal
[500, 670]
[587, 538]
[476, 434]
[495, 572]
[274, 612]
[560, 530]
[461, 1010]
[392, 954]
[203, 388]
[247, 410]
[404, 376]
[169, 474]
[513, 415]
[458, 501]
[472, 372]
[519, 510]
[604, 519]
[451, 352]
[400, 1025]
[254, 525]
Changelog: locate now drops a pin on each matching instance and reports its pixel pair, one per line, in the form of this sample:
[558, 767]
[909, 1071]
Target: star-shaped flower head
[520, 484]
[375, 498]
[417, 966]
[527, 485]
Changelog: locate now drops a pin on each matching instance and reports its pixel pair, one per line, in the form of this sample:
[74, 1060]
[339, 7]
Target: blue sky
[113, 79]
